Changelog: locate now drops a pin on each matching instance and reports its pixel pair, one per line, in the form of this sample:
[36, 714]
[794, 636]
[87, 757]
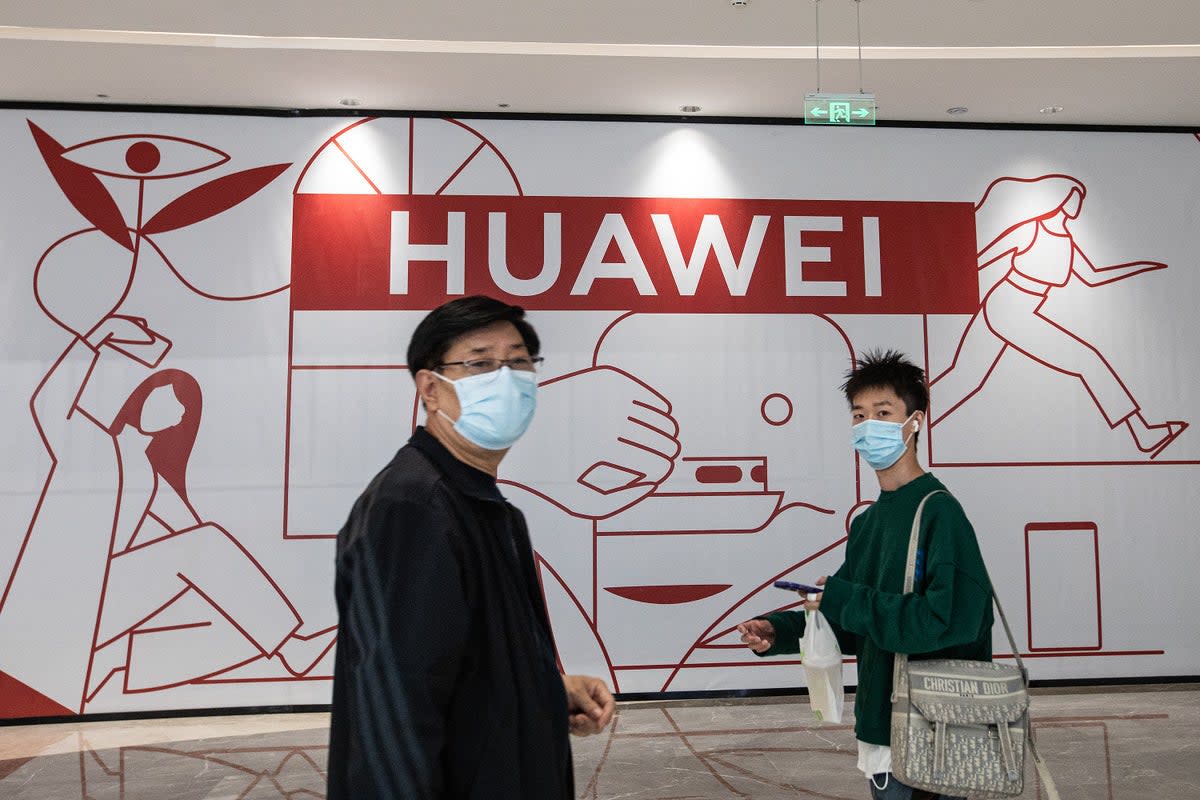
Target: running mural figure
[1029, 251]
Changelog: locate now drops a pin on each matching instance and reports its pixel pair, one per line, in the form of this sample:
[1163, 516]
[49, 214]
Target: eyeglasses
[482, 366]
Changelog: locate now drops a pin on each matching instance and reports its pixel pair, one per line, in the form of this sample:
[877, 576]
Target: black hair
[889, 369]
[441, 327]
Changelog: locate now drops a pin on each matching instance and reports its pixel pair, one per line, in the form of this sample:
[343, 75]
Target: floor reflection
[1098, 745]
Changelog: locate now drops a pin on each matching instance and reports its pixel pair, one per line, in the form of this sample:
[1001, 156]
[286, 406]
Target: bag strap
[1042, 770]
[901, 659]
[910, 570]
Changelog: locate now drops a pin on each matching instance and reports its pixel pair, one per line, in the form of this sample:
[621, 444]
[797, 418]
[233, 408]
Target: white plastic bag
[822, 659]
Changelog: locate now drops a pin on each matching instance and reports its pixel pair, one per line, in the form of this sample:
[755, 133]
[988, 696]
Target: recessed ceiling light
[957, 110]
[689, 109]
[350, 101]
[1051, 109]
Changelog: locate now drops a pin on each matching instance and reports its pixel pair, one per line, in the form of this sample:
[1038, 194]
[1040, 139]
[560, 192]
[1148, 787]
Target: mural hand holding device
[627, 448]
[151, 577]
[132, 337]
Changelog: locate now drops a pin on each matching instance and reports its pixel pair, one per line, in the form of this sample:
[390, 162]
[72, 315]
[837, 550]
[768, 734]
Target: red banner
[376, 252]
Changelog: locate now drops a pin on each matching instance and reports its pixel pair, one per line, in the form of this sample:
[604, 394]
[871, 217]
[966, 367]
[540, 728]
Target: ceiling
[1116, 62]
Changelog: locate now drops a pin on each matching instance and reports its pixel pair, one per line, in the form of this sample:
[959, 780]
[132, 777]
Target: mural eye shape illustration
[148, 157]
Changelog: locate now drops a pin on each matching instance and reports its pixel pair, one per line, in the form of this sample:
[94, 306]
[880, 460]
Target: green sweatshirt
[948, 615]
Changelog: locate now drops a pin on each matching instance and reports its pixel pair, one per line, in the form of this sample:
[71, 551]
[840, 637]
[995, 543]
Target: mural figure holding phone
[176, 580]
[146, 575]
[113, 519]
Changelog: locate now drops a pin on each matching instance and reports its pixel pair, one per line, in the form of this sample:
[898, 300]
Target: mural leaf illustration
[210, 199]
[83, 189]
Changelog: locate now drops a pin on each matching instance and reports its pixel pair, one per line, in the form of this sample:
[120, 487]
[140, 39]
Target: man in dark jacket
[446, 683]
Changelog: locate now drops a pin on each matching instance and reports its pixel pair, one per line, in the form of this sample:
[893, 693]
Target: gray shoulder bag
[960, 727]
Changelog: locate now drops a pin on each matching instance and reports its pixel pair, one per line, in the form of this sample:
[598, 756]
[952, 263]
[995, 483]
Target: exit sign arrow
[839, 109]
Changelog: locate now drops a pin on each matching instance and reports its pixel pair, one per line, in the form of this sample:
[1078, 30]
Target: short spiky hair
[888, 369]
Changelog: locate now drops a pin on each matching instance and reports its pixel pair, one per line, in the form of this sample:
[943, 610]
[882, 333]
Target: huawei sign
[641, 254]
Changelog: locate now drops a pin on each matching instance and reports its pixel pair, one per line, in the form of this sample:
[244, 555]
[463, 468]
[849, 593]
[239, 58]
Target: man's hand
[590, 705]
[757, 634]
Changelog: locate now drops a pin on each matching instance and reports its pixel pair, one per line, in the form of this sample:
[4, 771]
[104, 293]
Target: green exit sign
[839, 109]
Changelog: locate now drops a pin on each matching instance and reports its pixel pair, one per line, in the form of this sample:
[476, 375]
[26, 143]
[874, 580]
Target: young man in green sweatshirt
[949, 613]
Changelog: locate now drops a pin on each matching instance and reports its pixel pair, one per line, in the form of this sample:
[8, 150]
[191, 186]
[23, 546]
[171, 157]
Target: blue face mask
[881, 443]
[495, 408]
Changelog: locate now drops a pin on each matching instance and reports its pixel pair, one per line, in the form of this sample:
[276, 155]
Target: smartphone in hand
[798, 587]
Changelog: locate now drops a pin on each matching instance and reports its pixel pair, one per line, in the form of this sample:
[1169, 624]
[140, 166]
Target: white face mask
[495, 408]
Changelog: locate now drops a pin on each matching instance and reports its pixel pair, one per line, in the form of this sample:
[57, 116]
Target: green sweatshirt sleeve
[789, 627]
[947, 613]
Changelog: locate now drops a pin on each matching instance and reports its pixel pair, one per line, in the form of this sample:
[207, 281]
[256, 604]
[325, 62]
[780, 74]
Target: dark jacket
[445, 684]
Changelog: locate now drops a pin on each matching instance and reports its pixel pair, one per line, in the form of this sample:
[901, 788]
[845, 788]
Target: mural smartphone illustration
[149, 353]
[798, 587]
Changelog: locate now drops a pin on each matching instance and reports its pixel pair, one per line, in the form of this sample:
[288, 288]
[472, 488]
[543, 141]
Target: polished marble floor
[1100, 745]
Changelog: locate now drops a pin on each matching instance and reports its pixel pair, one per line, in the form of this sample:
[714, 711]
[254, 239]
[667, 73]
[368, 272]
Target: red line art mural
[691, 446]
[728, 497]
[649, 495]
[1027, 250]
[343, 165]
[634, 474]
[152, 576]
[1062, 564]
